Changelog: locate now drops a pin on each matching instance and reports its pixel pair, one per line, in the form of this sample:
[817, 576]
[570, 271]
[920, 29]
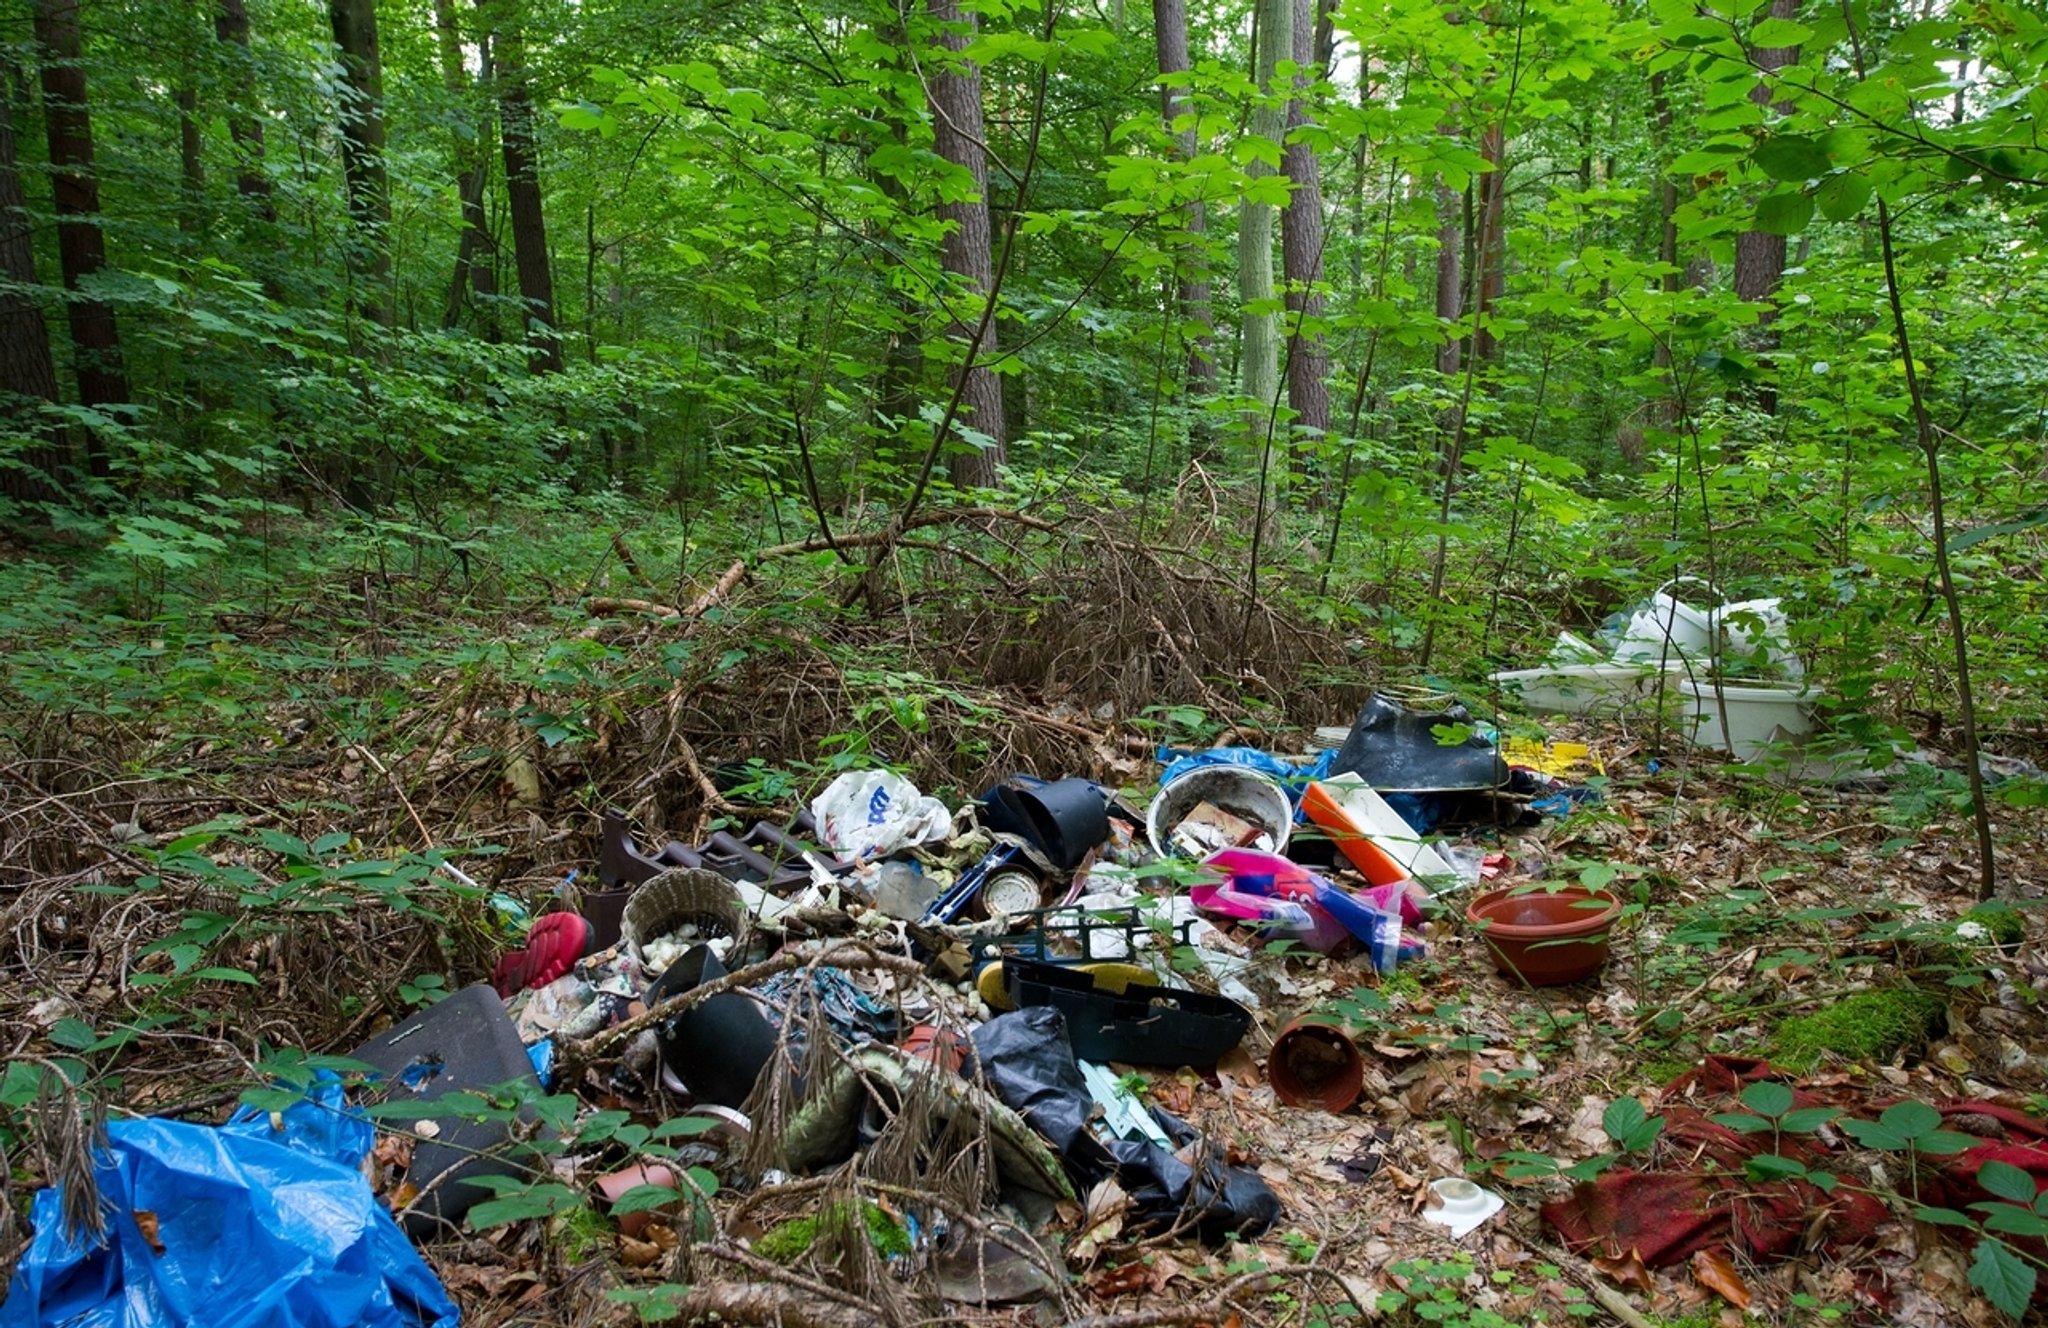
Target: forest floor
[1757, 899]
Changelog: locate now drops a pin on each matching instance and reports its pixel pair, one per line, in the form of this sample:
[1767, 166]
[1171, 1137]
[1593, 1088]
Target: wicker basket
[680, 897]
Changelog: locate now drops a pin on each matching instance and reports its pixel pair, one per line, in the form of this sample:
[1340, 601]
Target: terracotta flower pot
[1315, 1063]
[618, 1184]
[1545, 938]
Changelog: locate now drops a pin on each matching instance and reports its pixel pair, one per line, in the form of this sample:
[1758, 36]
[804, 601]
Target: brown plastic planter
[1315, 1063]
[1545, 938]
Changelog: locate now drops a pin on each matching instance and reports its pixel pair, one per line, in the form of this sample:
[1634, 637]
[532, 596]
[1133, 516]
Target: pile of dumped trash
[884, 981]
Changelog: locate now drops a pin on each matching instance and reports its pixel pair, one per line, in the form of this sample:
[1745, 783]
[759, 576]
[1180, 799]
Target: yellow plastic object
[1110, 976]
[1559, 760]
[995, 992]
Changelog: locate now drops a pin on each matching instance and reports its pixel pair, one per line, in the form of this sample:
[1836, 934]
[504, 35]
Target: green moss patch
[1868, 1026]
[790, 1241]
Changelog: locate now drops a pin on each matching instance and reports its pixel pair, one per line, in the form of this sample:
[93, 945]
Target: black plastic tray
[1143, 1025]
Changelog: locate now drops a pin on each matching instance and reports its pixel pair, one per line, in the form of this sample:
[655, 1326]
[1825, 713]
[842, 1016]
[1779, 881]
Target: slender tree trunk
[1450, 278]
[1170, 34]
[1301, 248]
[1490, 247]
[954, 88]
[362, 155]
[475, 266]
[1260, 367]
[28, 373]
[191, 163]
[1665, 412]
[522, 187]
[81, 245]
[1759, 257]
[231, 27]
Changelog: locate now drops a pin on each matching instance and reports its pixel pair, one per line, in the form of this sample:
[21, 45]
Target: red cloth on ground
[1667, 1216]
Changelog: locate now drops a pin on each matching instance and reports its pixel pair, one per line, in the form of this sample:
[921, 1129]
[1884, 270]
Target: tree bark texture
[231, 28]
[28, 373]
[1170, 35]
[191, 162]
[522, 188]
[953, 86]
[1450, 277]
[81, 245]
[475, 250]
[1490, 248]
[1260, 369]
[362, 155]
[1760, 257]
[1301, 249]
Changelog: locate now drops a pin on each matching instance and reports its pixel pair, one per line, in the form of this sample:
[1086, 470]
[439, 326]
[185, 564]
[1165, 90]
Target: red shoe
[553, 945]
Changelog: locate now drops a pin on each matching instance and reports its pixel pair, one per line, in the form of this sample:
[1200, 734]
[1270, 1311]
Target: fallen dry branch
[838, 954]
[766, 1304]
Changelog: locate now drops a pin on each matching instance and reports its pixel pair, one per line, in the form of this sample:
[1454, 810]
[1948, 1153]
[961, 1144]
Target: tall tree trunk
[1665, 412]
[1170, 34]
[1260, 367]
[1450, 278]
[522, 186]
[362, 155]
[1301, 248]
[1759, 257]
[967, 252]
[28, 373]
[81, 244]
[475, 264]
[231, 27]
[1490, 247]
[191, 163]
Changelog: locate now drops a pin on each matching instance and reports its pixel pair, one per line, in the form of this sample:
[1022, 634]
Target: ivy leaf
[533, 1201]
[1779, 33]
[1942, 1217]
[1741, 1122]
[73, 1034]
[1910, 1119]
[1767, 1098]
[1807, 1119]
[1783, 213]
[1871, 1134]
[1945, 1141]
[225, 975]
[2014, 1221]
[1623, 1117]
[645, 1199]
[2006, 1280]
[1770, 1166]
[2007, 1181]
[1791, 157]
[1842, 196]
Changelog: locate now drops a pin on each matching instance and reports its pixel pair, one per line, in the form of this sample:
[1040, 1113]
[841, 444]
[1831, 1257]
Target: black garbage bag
[1030, 1066]
[1396, 750]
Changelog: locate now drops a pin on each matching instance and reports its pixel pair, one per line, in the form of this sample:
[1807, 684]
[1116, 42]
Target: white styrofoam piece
[1384, 827]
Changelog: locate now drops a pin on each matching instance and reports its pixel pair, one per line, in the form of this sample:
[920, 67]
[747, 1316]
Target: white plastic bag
[868, 813]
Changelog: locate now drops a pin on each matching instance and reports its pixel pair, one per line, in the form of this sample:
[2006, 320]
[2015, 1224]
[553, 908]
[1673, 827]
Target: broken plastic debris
[1461, 1205]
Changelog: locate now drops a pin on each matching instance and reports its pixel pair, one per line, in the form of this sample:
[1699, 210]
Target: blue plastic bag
[1294, 778]
[258, 1228]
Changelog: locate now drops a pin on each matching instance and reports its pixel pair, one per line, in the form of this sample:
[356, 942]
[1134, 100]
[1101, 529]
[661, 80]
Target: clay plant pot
[1315, 1063]
[1542, 937]
[618, 1184]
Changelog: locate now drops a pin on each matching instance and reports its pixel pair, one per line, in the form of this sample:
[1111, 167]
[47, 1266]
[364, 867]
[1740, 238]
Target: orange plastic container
[1372, 861]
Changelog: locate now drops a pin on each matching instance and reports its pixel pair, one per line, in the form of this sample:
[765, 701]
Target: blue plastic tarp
[259, 1227]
